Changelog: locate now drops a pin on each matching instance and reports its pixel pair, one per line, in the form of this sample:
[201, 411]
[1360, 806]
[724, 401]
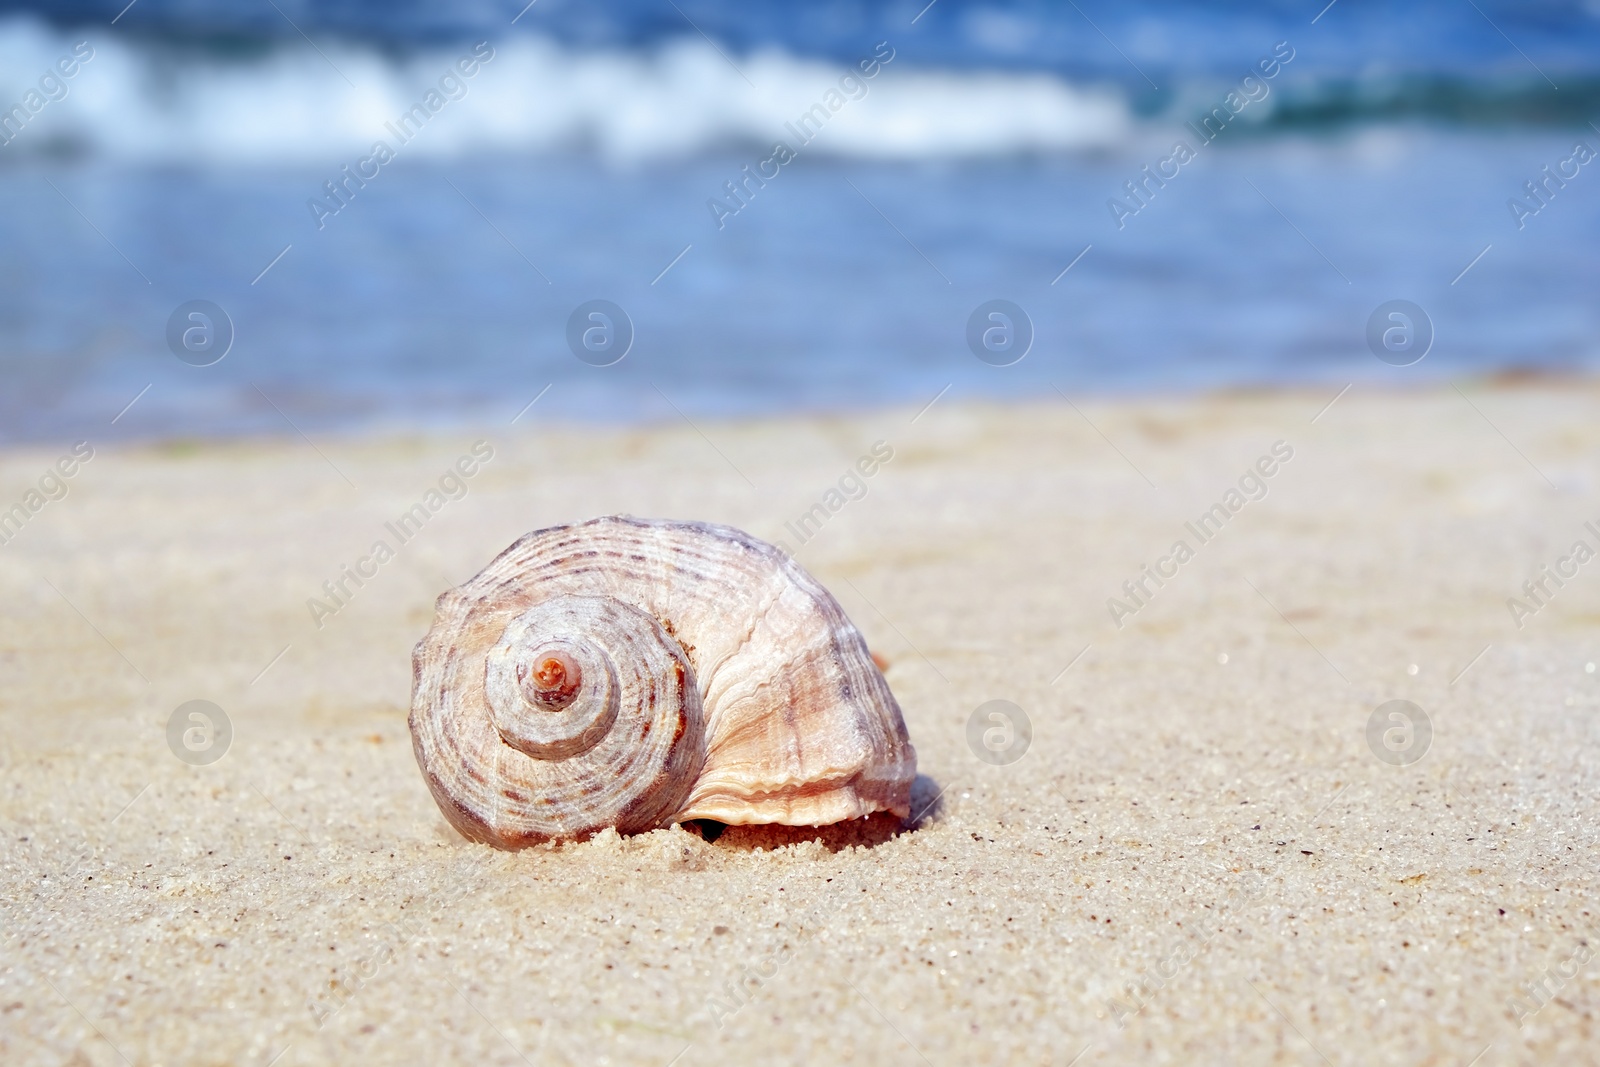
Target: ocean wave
[157, 102]
[160, 101]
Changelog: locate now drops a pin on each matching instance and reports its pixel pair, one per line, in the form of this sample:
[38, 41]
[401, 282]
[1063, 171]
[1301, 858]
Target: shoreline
[402, 426]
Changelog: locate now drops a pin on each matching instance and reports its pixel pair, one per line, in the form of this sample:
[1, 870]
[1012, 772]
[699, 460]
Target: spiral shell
[632, 673]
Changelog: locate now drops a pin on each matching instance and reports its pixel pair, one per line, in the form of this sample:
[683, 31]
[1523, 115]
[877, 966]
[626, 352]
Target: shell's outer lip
[820, 802]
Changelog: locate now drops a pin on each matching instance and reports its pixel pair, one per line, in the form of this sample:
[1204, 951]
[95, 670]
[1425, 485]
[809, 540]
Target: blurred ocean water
[627, 152]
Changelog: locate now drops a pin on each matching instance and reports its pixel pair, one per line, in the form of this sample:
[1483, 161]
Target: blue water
[578, 163]
[1167, 38]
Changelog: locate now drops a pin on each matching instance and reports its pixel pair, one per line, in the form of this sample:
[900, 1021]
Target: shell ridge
[712, 671]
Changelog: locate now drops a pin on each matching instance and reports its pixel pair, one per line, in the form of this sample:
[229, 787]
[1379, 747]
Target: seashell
[632, 673]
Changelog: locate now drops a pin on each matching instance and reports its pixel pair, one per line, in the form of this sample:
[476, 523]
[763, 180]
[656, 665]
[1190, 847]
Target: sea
[337, 217]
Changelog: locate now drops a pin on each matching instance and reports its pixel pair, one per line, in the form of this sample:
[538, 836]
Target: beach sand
[1198, 859]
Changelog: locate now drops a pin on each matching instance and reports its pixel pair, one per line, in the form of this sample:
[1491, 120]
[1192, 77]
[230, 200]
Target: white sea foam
[158, 103]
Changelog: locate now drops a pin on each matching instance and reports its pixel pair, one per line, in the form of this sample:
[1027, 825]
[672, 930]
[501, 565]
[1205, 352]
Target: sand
[1198, 859]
